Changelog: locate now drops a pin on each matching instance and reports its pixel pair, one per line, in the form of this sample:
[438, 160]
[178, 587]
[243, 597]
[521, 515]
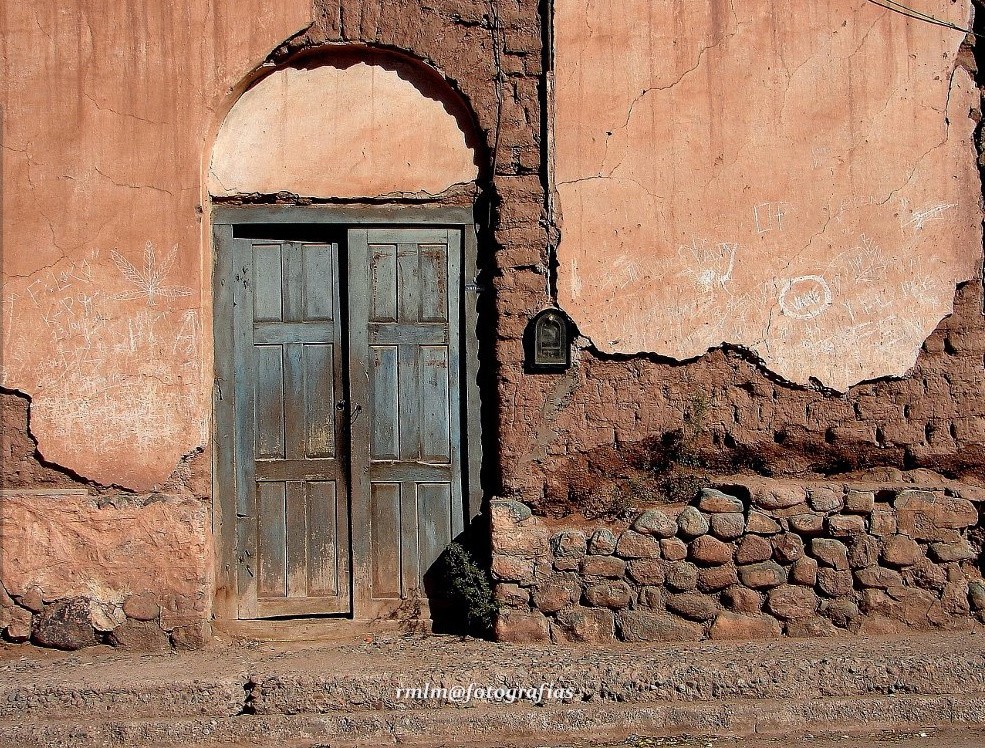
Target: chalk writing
[931, 213]
[707, 264]
[769, 217]
[113, 378]
[805, 297]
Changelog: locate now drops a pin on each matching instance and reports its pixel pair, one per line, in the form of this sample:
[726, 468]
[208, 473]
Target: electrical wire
[909, 12]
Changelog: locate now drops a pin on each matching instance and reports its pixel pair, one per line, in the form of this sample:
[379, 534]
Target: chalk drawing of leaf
[150, 283]
[129, 271]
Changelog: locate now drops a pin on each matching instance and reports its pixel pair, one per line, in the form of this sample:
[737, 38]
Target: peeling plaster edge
[975, 45]
[73, 475]
[748, 353]
[469, 189]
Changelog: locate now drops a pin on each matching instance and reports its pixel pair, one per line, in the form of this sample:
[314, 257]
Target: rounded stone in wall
[632, 544]
[603, 566]
[808, 523]
[763, 575]
[715, 578]
[804, 572]
[611, 594]
[727, 526]
[711, 551]
[65, 624]
[742, 599]
[657, 523]
[752, 549]
[901, 550]
[825, 499]
[673, 549]
[693, 605]
[791, 602]
[835, 583]
[569, 544]
[762, 524]
[681, 576]
[714, 501]
[602, 542]
[692, 523]
[830, 552]
[787, 548]
[647, 571]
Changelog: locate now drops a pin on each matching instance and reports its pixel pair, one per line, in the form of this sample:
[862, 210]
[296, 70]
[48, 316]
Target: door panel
[404, 373]
[316, 455]
[293, 509]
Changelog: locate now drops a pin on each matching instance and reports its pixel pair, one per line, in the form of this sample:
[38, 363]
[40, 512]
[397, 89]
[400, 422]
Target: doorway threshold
[315, 629]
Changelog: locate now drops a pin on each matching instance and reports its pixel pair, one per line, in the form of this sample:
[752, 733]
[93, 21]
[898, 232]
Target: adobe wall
[107, 348]
[106, 294]
[799, 183]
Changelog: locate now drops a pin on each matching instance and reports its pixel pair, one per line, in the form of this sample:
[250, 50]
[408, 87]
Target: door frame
[224, 218]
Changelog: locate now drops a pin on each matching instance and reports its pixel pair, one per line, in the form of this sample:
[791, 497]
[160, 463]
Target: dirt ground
[321, 694]
[924, 738]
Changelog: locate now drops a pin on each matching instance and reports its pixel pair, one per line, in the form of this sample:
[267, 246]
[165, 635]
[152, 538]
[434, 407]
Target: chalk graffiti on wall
[778, 209]
[805, 297]
[117, 363]
[920, 218]
[708, 264]
[149, 282]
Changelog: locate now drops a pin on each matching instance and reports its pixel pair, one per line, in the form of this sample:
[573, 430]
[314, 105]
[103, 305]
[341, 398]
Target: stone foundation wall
[77, 570]
[140, 623]
[750, 560]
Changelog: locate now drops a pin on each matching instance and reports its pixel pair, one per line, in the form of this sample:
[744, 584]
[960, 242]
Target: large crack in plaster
[773, 189]
[103, 320]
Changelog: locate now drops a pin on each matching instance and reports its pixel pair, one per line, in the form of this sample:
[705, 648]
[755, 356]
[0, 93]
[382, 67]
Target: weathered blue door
[404, 372]
[292, 500]
[345, 416]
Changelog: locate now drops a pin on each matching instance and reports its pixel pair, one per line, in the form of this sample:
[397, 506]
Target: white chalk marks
[150, 282]
[110, 351]
[709, 265]
[769, 217]
[934, 212]
[805, 297]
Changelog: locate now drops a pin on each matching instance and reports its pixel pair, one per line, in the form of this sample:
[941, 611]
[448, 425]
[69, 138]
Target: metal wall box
[548, 342]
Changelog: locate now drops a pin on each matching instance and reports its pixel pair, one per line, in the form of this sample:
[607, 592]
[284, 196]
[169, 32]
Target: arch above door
[353, 126]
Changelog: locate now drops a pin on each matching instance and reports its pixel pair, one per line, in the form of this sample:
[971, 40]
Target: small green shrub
[469, 589]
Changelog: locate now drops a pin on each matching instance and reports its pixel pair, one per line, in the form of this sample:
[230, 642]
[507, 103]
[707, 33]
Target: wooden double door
[340, 413]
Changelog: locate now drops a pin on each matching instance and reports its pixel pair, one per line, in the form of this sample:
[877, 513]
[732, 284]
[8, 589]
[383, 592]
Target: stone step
[496, 726]
[633, 678]
[348, 691]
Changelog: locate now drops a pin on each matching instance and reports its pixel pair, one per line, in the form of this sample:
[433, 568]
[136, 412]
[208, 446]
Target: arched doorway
[347, 413]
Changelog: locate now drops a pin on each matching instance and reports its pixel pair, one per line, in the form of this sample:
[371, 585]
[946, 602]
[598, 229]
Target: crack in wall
[798, 257]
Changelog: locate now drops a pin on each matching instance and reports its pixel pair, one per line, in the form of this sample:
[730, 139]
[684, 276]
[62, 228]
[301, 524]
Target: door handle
[341, 405]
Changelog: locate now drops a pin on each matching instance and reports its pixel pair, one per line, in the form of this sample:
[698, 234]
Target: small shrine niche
[548, 342]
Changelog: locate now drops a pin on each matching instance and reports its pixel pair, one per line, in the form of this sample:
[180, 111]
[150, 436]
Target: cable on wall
[918, 15]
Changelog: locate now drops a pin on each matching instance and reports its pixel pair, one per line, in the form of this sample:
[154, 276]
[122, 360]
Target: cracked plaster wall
[108, 107]
[799, 182]
[544, 427]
